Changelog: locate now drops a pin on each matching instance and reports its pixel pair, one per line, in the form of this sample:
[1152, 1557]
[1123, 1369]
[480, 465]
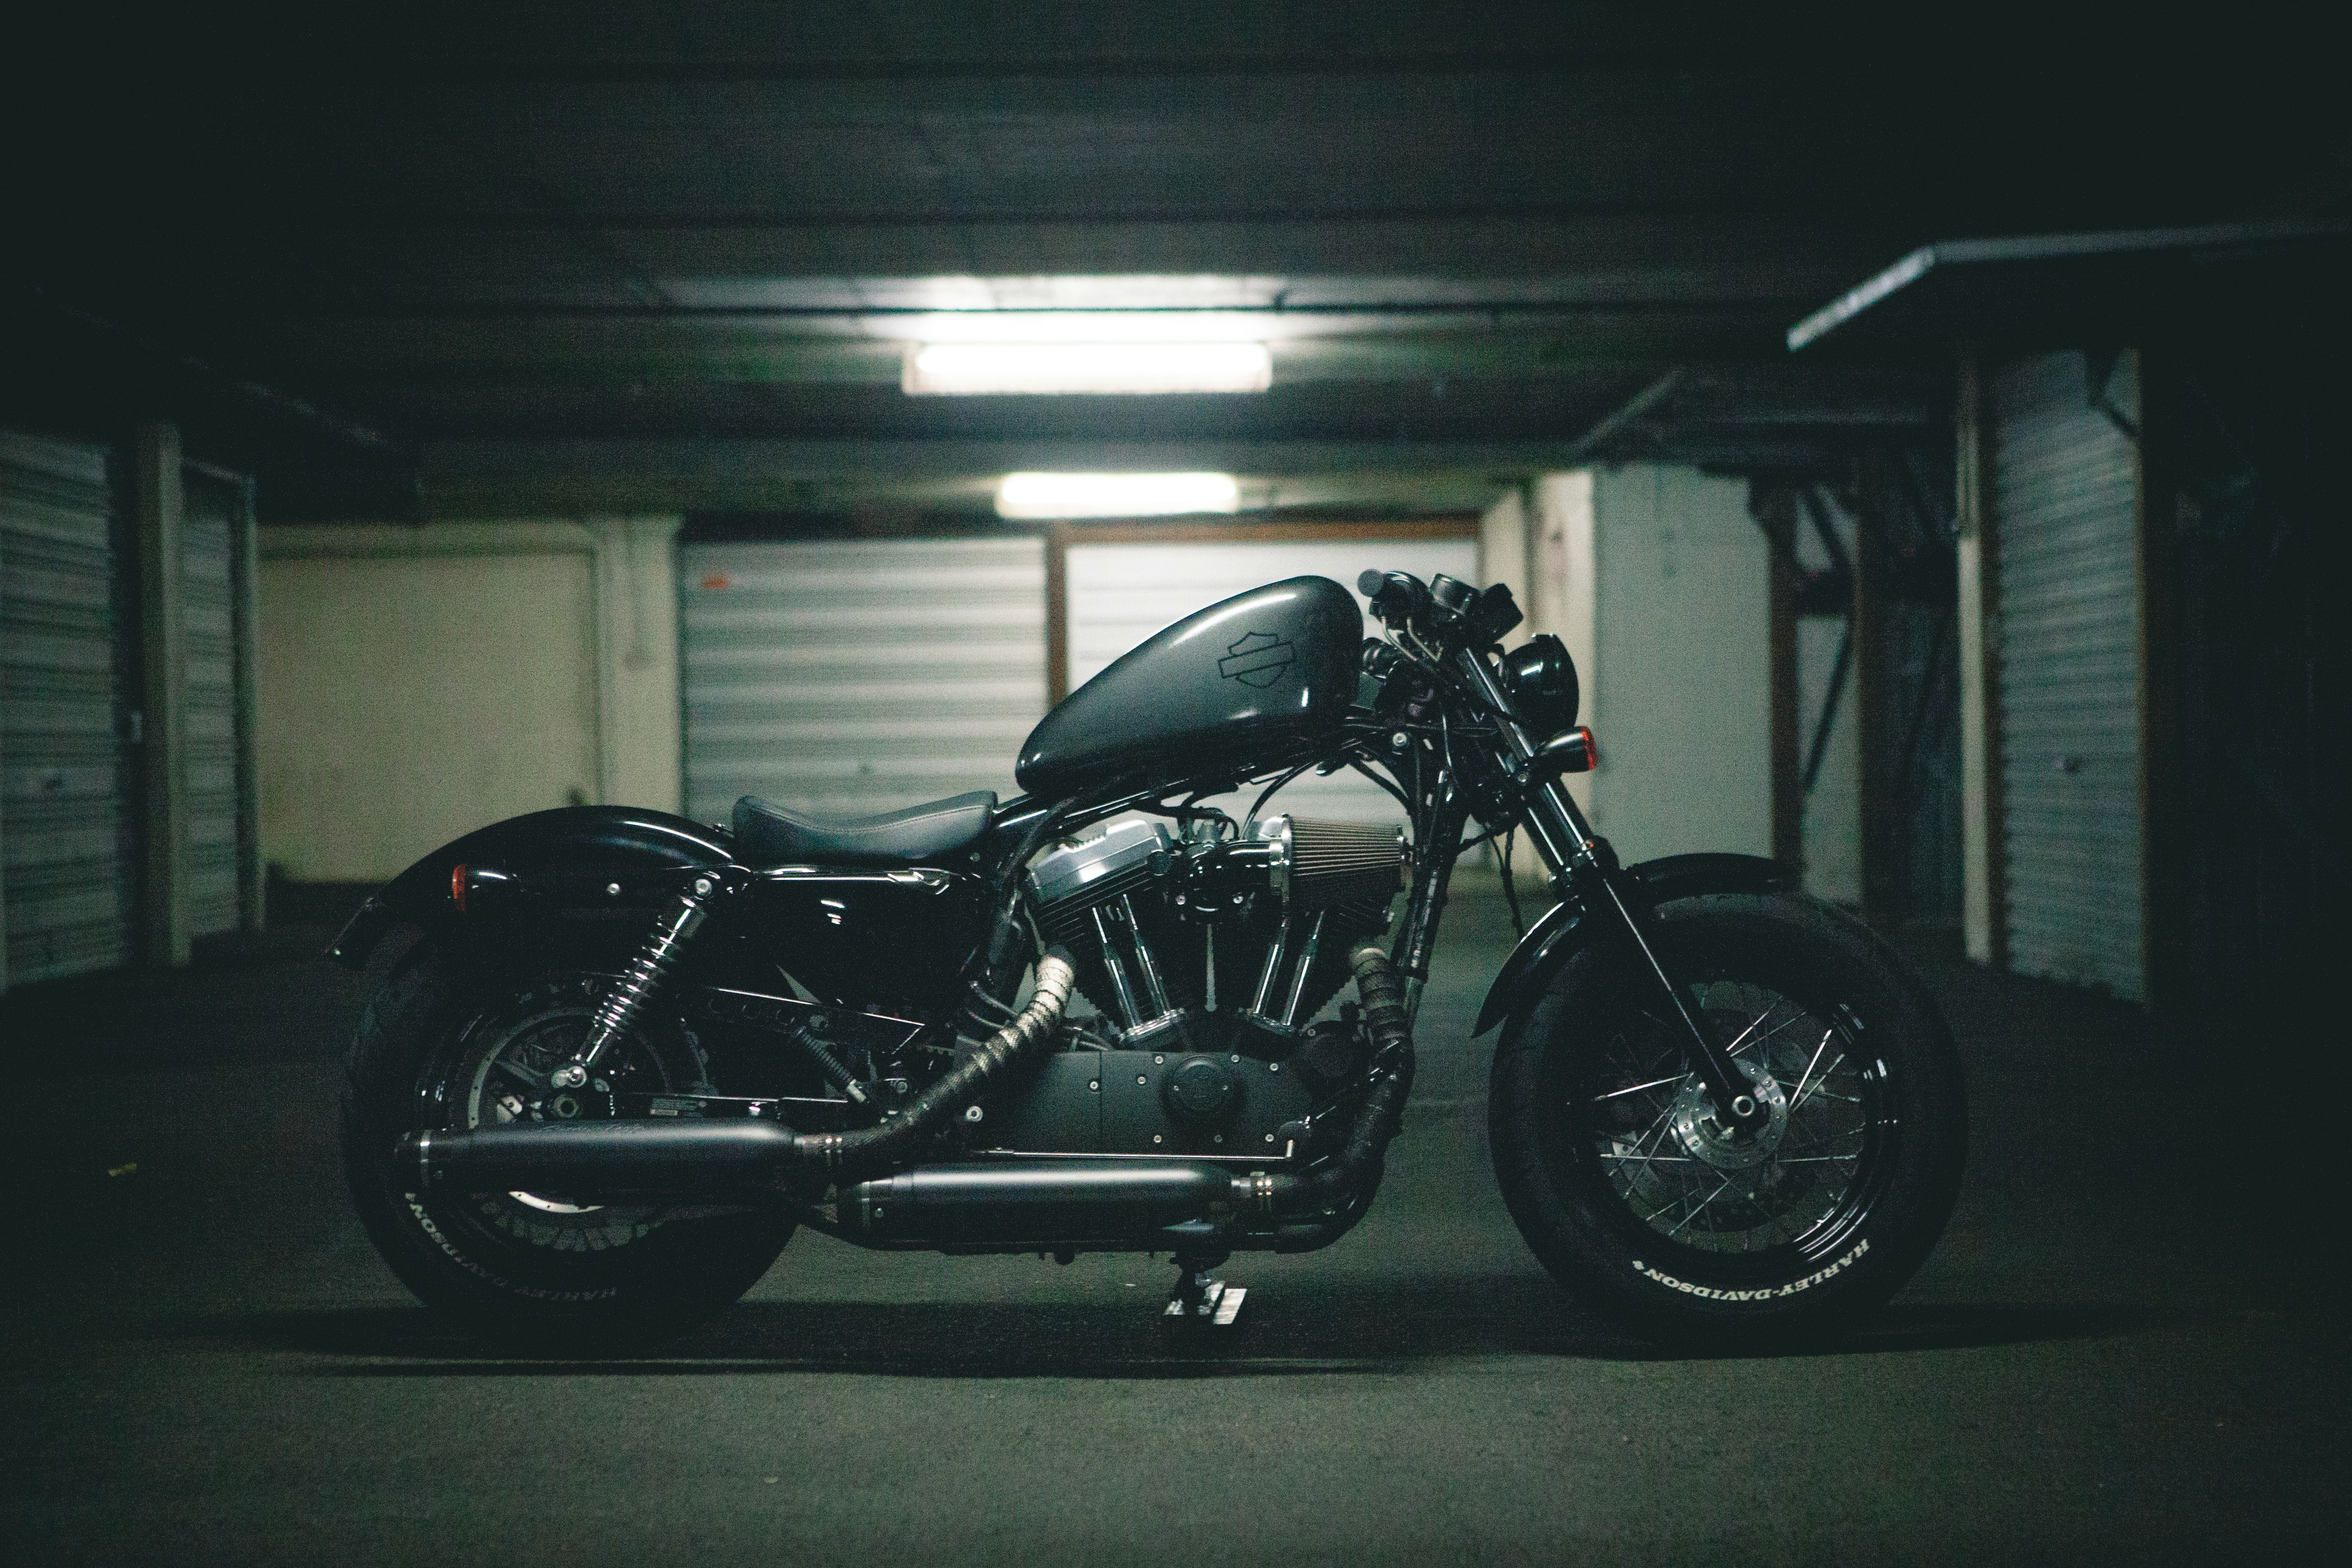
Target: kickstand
[1199, 1300]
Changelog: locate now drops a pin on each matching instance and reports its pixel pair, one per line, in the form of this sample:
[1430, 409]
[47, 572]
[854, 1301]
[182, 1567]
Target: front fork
[1584, 866]
[1432, 877]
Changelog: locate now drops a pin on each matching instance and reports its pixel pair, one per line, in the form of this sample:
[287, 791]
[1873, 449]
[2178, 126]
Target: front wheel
[1637, 1196]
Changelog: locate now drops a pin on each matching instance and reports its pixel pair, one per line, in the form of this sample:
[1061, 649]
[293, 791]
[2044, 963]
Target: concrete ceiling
[668, 254]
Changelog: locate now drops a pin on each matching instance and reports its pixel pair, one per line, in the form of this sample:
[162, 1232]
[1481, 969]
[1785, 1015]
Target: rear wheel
[442, 1047]
[1638, 1196]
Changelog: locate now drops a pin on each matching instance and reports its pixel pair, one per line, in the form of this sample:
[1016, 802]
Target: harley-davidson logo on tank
[1258, 659]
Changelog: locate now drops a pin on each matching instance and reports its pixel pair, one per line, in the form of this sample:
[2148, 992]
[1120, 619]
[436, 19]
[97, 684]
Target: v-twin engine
[1192, 942]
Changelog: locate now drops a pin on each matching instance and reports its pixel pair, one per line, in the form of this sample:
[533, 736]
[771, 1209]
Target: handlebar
[1398, 597]
[1445, 611]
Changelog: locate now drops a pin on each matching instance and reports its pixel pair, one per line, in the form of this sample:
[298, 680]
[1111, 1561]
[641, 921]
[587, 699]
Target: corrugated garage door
[211, 512]
[61, 774]
[1121, 594]
[858, 676]
[2065, 488]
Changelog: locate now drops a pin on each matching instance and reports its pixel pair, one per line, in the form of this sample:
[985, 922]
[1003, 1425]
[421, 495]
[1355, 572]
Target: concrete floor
[2105, 1360]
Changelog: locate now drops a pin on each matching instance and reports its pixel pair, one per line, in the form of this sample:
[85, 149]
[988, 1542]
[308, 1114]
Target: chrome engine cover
[1101, 866]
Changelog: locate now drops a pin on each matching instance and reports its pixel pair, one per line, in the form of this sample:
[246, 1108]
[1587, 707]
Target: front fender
[593, 846]
[1564, 929]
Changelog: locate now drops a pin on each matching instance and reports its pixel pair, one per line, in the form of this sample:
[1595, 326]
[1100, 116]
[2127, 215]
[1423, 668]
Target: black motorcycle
[629, 1052]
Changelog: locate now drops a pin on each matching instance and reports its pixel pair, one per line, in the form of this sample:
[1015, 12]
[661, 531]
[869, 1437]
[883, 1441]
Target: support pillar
[244, 621]
[1886, 880]
[1983, 929]
[164, 924]
[1775, 510]
[640, 737]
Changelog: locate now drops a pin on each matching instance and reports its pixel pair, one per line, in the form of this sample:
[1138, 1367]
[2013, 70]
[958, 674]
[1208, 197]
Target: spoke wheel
[1650, 1134]
[497, 1074]
[446, 1046]
[1651, 1206]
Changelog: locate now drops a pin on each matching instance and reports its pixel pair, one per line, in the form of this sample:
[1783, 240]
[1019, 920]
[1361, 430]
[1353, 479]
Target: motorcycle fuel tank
[1246, 679]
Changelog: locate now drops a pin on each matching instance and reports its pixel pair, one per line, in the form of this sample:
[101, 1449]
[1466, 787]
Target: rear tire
[443, 1046]
[1658, 1216]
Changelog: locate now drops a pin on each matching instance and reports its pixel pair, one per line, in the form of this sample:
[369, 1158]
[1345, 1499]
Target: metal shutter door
[2065, 488]
[61, 775]
[1121, 594]
[209, 519]
[858, 676]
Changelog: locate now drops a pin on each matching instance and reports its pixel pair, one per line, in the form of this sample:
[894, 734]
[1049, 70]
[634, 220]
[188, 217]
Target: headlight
[1542, 680]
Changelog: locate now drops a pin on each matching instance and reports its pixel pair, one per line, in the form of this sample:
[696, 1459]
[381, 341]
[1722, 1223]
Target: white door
[2066, 481]
[853, 676]
[61, 773]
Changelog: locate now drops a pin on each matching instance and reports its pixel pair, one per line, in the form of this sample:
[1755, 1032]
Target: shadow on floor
[1296, 1334]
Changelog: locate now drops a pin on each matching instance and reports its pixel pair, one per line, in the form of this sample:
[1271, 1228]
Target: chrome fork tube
[1566, 841]
[1432, 873]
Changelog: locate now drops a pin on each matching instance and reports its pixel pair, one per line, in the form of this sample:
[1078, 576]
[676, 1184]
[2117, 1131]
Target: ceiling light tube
[1055, 496]
[933, 370]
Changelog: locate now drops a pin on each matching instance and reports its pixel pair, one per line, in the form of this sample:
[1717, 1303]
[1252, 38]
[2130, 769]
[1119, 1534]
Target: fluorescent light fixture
[1115, 495]
[953, 369]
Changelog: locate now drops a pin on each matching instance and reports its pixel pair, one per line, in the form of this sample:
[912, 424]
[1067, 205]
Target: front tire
[1650, 1209]
[446, 1045]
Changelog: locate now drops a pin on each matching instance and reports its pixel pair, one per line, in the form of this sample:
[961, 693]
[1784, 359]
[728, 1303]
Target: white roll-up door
[61, 771]
[1121, 593]
[855, 676]
[2065, 489]
[213, 511]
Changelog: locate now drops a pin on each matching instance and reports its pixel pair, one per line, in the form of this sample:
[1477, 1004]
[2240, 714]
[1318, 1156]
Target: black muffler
[605, 1159]
[1043, 1203]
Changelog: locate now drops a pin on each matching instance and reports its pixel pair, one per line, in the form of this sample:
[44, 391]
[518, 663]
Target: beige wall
[1503, 548]
[416, 683]
[1512, 550]
[1655, 579]
[1562, 584]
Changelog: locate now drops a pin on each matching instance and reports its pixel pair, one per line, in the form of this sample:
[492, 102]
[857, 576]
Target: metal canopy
[2052, 287]
[1785, 420]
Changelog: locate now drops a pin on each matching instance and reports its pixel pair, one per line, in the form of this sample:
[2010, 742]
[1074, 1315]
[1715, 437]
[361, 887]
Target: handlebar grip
[1398, 597]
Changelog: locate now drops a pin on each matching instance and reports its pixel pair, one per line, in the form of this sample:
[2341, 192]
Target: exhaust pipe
[1049, 1203]
[609, 1159]
[1302, 1213]
[591, 1155]
[1053, 1202]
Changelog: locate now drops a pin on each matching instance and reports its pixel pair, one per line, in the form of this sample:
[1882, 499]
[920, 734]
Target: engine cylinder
[1135, 907]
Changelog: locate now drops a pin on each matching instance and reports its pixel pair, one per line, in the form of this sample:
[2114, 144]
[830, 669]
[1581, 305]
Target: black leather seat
[768, 835]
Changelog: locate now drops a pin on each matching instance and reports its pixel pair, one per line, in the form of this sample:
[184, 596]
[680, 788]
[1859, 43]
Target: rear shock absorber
[624, 1004]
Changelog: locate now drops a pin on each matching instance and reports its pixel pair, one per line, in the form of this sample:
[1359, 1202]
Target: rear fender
[1565, 929]
[573, 857]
